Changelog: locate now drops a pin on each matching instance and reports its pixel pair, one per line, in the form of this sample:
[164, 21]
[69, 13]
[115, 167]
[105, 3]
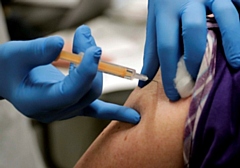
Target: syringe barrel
[103, 66]
[116, 70]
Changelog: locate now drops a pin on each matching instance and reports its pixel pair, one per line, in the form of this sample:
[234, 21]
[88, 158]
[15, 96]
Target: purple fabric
[217, 139]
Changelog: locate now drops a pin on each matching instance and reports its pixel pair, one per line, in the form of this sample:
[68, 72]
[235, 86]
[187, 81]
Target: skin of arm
[157, 141]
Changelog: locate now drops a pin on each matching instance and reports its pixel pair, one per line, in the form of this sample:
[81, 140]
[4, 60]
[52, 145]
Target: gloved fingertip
[83, 39]
[173, 97]
[85, 30]
[95, 51]
[52, 46]
[132, 117]
[142, 84]
[98, 52]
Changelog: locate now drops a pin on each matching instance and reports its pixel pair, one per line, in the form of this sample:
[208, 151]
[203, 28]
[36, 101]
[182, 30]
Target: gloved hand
[176, 28]
[40, 91]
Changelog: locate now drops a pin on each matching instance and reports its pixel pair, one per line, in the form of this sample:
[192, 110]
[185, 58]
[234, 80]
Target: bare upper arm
[157, 141]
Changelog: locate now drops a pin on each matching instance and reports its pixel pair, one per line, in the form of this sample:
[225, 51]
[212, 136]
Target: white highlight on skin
[183, 81]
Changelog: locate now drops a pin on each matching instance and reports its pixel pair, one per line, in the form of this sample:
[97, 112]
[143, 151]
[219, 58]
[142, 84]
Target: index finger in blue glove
[168, 51]
[194, 32]
[81, 42]
[82, 39]
[109, 111]
[227, 18]
[150, 62]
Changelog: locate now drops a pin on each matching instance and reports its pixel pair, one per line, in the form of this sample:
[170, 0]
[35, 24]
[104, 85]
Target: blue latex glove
[178, 27]
[40, 91]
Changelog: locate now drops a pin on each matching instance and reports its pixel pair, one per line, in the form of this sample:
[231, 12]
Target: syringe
[109, 68]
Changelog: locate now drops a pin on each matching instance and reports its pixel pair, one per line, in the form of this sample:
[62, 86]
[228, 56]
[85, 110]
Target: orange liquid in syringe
[105, 67]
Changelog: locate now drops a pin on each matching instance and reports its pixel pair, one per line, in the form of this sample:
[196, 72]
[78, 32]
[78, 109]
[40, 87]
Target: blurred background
[118, 27]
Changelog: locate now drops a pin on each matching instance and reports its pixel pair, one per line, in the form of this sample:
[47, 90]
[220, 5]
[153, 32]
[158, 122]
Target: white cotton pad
[183, 81]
